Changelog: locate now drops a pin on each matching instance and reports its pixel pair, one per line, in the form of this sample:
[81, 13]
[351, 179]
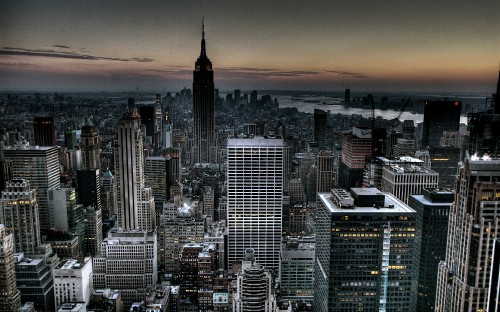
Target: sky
[400, 45]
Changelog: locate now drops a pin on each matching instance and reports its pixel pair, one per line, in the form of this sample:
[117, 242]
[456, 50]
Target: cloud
[347, 74]
[274, 73]
[61, 46]
[64, 54]
[15, 64]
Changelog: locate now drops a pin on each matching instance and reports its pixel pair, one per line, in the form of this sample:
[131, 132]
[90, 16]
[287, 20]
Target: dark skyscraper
[439, 116]
[204, 141]
[45, 131]
[320, 128]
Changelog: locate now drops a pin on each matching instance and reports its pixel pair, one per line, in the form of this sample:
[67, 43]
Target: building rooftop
[366, 200]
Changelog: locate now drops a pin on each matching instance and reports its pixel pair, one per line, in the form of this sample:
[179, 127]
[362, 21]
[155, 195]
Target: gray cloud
[15, 64]
[65, 54]
[61, 46]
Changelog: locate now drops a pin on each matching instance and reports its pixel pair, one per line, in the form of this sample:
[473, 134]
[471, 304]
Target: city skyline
[286, 45]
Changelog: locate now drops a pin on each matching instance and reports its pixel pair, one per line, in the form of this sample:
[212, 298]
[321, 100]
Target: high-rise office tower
[297, 268]
[39, 165]
[45, 131]
[157, 140]
[255, 198]
[89, 187]
[108, 182]
[494, 291]
[204, 148]
[464, 277]
[366, 252]
[432, 208]
[73, 281]
[10, 297]
[127, 262]
[156, 177]
[439, 116]
[326, 171]
[178, 226]
[320, 128]
[70, 139]
[93, 230]
[147, 113]
[19, 212]
[66, 214]
[135, 201]
[356, 146]
[404, 179]
[90, 146]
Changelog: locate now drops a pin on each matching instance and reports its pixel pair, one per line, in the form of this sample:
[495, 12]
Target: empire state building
[204, 148]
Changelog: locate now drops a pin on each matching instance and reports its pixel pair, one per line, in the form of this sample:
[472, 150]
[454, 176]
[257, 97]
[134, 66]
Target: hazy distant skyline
[296, 45]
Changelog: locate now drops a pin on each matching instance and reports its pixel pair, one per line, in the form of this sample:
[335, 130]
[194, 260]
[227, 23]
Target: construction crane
[386, 251]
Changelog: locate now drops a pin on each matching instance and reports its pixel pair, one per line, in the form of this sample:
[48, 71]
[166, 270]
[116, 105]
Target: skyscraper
[464, 277]
[326, 174]
[158, 138]
[90, 146]
[255, 198]
[204, 148]
[320, 128]
[39, 165]
[45, 131]
[135, 201]
[10, 297]
[366, 252]
[432, 208]
[439, 116]
[19, 212]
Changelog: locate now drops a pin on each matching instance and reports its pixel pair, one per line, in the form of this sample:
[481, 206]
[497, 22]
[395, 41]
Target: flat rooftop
[392, 205]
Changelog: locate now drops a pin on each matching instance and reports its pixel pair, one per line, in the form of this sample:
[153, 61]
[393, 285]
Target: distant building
[439, 116]
[366, 252]
[320, 129]
[327, 172]
[405, 179]
[45, 131]
[356, 147]
[90, 146]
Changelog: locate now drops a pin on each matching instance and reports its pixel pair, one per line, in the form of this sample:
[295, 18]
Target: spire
[203, 53]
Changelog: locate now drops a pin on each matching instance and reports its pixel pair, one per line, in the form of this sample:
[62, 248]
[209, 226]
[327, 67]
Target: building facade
[128, 262]
[464, 275]
[10, 297]
[204, 148]
[19, 213]
[366, 252]
[433, 208]
[39, 165]
[135, 200]
[255, 199]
